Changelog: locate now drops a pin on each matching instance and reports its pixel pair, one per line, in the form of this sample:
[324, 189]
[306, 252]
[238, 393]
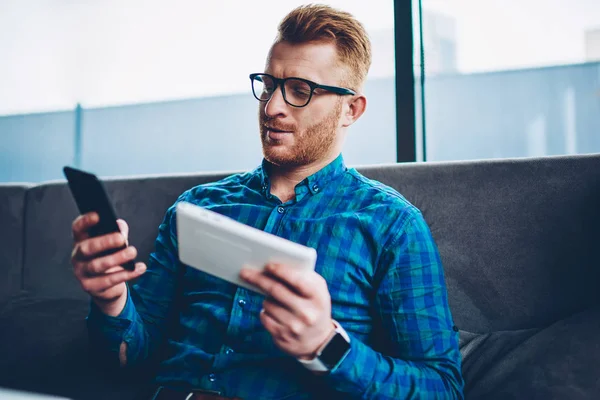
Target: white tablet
[222, 246]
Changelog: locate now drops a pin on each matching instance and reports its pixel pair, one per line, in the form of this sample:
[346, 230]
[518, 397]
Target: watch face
[334, 351]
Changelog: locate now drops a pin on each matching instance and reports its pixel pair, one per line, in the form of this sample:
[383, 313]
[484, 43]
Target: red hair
[323, 23]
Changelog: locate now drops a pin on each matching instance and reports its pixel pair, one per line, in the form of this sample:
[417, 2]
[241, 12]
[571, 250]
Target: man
[371, 322]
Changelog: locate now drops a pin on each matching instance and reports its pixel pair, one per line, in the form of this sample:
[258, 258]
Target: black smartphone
[90, 195]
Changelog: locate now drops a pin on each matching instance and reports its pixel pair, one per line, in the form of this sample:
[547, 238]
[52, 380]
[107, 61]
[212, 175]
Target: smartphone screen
[90, 195]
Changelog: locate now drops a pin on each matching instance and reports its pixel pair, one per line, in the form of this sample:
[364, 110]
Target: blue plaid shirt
[383, 272]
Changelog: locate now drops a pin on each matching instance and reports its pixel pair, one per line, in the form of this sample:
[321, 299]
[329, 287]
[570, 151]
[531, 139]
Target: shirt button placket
[280, 209]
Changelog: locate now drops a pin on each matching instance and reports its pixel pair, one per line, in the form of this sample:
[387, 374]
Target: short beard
[310, 145]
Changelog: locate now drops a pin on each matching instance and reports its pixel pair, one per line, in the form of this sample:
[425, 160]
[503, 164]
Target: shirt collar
[315, 182]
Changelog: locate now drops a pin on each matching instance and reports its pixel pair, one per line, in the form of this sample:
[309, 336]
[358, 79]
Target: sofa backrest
[142, 202]
[518, 237]
[12, 206]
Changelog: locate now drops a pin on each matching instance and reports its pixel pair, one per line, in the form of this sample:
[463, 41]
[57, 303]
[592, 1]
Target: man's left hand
[297, 310]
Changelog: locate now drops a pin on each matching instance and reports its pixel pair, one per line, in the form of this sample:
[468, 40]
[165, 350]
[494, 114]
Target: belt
[164, 393]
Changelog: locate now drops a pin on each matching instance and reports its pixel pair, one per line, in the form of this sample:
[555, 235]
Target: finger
[301, 281]
[91, 247]
[272, 325]
[98, 284]
[82, 270]
[82, 224]
[102, 265]
[284, 317]
[271, 286]
[124, 228]
[114, 269]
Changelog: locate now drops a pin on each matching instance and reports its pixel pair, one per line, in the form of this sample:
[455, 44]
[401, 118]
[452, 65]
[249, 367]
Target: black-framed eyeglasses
[297, 92]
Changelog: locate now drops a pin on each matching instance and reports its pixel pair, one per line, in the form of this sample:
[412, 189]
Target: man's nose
[276, 105]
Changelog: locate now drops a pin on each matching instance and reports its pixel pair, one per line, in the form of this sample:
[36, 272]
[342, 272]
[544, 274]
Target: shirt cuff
[349, 375]
[108, 331]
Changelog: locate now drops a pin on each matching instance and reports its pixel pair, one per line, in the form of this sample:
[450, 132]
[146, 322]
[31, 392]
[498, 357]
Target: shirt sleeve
[419, 356]
[143, 320]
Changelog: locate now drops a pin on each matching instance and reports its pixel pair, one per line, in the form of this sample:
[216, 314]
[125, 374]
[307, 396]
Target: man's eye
[301, 91]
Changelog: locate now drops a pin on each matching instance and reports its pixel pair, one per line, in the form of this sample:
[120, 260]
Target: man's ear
[354, 109]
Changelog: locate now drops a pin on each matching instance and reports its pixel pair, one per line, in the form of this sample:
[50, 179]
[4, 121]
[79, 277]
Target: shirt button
[280, 210]
[241, 303]
[264, 187]
[229, 351]
[212, 377]
[316, 187]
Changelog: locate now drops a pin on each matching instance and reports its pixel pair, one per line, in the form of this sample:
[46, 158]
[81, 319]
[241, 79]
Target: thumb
[124, 228]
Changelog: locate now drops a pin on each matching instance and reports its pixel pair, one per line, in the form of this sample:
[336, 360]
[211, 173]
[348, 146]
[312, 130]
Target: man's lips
[276, 134]
[276, 130]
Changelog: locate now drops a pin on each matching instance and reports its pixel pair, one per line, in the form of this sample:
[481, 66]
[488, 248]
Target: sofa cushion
[44, 349]
[557, 362]
[518, 238]
[12, 206]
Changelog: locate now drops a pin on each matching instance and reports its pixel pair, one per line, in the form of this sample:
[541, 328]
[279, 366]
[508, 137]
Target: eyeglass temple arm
[337, 90]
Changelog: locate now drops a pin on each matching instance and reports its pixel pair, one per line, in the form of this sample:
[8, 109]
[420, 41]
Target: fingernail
[141, 267]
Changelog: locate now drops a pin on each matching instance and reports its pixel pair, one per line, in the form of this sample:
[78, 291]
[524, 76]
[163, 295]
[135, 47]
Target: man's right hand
[102, 276]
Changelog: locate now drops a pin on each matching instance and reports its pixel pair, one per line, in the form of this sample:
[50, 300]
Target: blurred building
[592, 45]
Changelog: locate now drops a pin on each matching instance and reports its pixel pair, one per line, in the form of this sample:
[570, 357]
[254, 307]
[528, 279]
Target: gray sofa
[519, 240]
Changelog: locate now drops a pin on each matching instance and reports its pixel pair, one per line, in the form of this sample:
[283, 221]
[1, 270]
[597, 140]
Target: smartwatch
[331, 353]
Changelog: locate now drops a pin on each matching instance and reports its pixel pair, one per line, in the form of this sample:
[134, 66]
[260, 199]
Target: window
[163, 86]
[513, 78]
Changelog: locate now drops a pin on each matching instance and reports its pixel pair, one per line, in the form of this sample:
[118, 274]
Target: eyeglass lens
[296, 92]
